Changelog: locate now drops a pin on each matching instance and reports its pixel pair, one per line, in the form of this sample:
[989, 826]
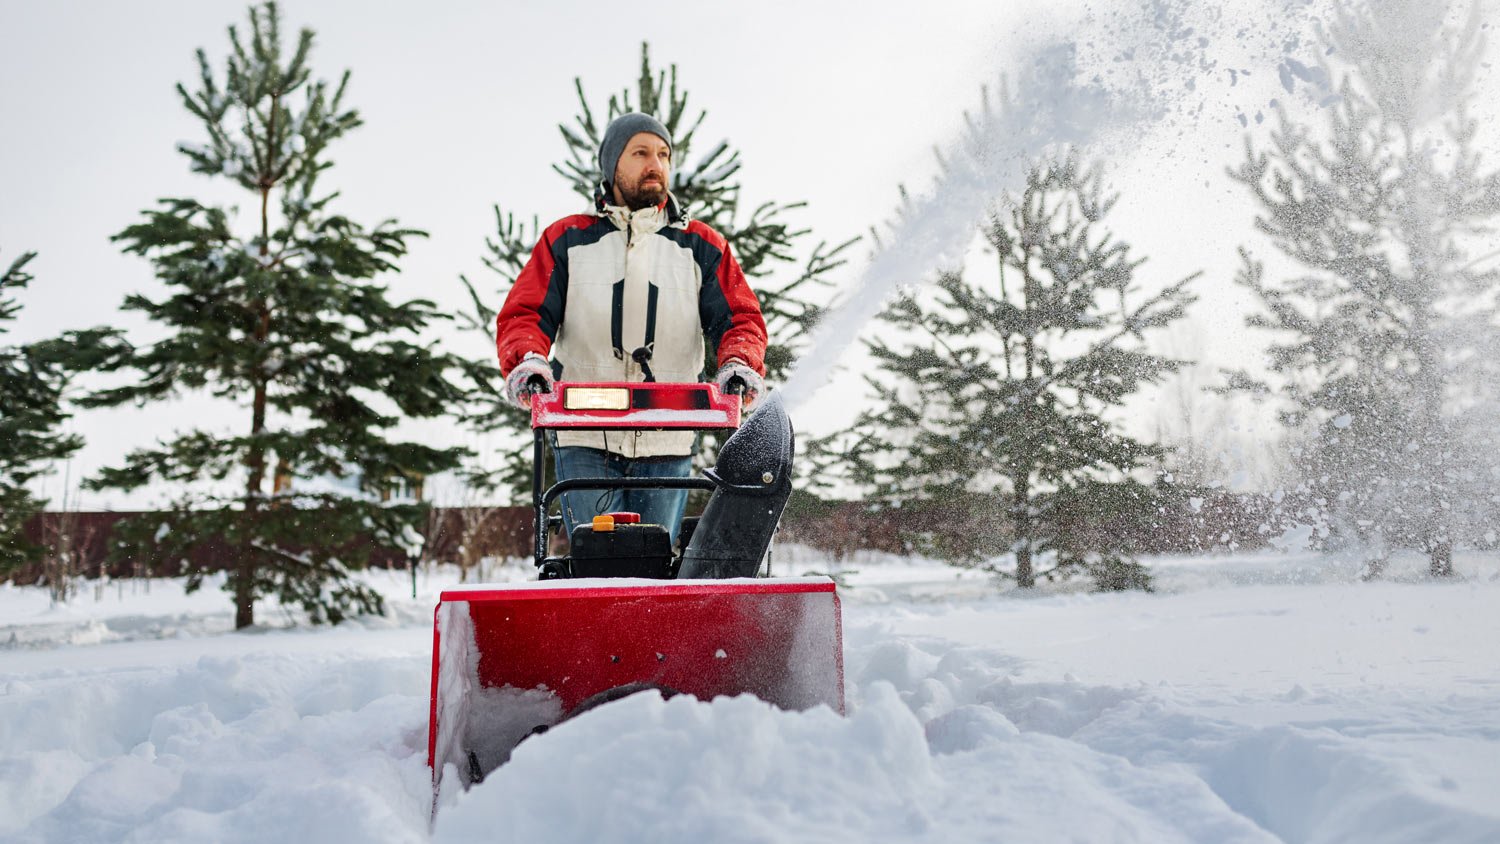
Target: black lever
[642, 356]
[535, 385]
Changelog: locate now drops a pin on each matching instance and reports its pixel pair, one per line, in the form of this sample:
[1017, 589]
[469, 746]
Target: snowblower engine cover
[624, 549]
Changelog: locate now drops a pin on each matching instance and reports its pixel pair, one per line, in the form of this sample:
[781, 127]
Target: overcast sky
[834, 103]
[461, 102]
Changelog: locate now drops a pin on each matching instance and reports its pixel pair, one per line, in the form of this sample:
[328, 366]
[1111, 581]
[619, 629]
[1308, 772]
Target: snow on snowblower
[623, 611]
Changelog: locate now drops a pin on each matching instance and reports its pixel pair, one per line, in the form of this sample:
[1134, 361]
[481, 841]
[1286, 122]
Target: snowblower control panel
[635, 405]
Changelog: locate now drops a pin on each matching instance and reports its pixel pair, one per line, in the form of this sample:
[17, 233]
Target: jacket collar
[644, 221]
[668, 213]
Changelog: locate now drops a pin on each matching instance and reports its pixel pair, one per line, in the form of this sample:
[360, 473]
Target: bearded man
[629, 293]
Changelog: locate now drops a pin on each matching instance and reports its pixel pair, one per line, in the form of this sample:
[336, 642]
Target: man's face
[640, 179]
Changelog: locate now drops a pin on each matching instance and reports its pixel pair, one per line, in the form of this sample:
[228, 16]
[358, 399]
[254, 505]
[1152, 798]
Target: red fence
[466, 535]
[451, 534]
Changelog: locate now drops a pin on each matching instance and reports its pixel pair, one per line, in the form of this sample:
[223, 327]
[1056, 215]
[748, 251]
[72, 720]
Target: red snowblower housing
[624, 610]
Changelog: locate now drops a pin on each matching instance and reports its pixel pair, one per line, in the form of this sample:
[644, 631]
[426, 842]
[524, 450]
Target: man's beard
[637, 196]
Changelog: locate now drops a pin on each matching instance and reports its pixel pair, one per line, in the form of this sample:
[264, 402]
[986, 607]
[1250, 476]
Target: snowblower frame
[615, 406]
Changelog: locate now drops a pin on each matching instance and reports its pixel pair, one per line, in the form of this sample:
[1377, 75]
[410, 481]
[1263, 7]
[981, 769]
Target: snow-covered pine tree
[284, 320]
[1386, 339]
[991, 427]
[792, 296]
[31, 416]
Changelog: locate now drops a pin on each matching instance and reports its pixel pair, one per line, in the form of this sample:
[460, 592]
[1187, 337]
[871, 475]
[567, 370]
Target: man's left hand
[734, 377]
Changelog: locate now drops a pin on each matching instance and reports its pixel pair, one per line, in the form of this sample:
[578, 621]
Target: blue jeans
[657, 506]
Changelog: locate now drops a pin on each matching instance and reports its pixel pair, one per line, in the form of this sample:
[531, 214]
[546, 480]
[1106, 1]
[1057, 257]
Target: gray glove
[734, 377]
[531, 376]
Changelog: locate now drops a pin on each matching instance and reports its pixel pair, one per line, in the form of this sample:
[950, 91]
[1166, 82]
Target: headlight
[596, 398]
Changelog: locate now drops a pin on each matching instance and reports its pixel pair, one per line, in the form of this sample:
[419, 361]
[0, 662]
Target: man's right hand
[531, 376]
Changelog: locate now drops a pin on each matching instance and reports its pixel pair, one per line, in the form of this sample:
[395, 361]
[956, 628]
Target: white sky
[831, 103]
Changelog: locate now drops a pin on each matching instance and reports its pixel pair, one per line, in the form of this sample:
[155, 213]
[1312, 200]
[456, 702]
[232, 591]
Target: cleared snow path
[1225, 709]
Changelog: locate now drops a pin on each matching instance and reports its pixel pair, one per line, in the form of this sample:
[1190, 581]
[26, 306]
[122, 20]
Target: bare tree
[475, 526]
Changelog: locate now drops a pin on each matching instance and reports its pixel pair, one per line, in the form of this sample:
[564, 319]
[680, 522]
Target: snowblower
[624, 610]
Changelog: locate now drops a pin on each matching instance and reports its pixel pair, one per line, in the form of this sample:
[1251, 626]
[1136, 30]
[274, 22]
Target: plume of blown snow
[1120, 76]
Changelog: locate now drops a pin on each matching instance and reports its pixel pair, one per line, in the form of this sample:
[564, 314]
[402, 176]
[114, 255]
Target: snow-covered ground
[1253, 698]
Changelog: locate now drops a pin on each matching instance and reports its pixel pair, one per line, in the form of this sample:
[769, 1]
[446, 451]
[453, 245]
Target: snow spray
[1115, 78]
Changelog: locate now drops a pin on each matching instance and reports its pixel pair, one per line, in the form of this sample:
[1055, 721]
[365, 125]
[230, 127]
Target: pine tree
[31, 413]
[763, 241]
[285, 321]
[1389, 331]
[990, 424]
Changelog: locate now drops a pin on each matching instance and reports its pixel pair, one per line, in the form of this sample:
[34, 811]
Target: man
[629, 293]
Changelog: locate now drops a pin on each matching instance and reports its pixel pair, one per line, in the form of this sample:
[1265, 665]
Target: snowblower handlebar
[640, 406]
[574, 484]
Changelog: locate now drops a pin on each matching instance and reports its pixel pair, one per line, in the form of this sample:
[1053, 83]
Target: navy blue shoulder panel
[555, 302]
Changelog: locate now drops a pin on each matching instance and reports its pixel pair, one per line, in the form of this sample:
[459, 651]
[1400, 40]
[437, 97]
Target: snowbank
[1233, 706]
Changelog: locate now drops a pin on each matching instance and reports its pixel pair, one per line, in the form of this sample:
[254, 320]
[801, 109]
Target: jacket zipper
[625, 277]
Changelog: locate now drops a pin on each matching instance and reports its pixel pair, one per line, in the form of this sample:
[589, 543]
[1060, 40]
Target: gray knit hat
[618, 134]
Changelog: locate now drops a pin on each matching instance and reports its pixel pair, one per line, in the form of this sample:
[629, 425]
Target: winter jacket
[599, 286]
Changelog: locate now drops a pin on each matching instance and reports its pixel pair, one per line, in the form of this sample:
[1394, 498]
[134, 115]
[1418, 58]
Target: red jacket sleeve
[533, 309]
[745, 336]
